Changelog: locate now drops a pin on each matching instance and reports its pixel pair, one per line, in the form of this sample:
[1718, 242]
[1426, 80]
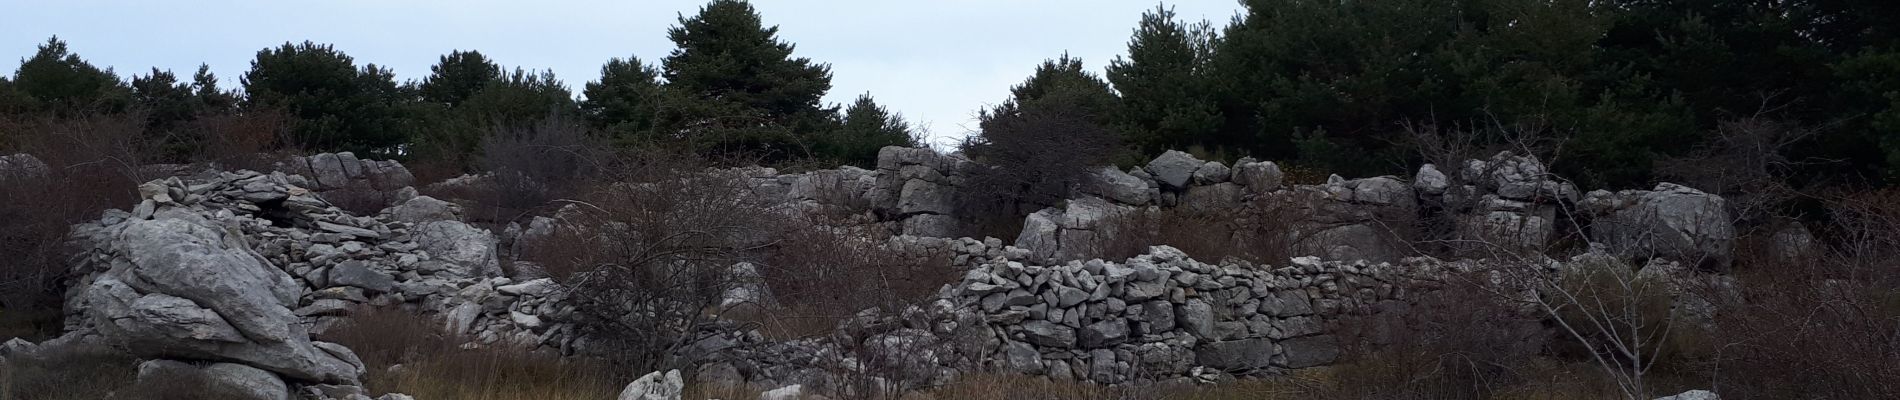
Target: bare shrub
[250, 140]
[93, 165]
[534, 164]
[1745, 161]
[807, 268]
[655, 251]
[409, 354]
[1822, 327]
[1034, 159]
[1458, 341]
[1259, 233]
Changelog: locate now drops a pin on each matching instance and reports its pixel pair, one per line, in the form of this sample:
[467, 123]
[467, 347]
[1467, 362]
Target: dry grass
[431, 366]
[69, 375]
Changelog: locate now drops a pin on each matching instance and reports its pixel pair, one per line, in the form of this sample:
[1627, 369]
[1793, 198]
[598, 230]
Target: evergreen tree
[515, 100]
[867, 127]
[337, 105]
[1166, 93]
[57, 81]
[211, 98]
[623, 100]
[166, 101]
[732, 86]
[458, 76]
[1061, 81]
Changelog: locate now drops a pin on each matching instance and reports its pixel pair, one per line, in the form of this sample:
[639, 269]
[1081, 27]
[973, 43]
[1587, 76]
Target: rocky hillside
[229, 274]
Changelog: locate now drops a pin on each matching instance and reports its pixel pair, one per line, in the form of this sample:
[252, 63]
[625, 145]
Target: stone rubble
[242, 267]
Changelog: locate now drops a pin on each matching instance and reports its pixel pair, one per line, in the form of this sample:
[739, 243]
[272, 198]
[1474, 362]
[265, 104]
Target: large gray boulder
[1258, 177]
[329, 171]
[1113, 184]
[1174, 168]
[1236, 355]
[241, 381]
[1430, 181]
[424, 209]
[655, 386]
[1693, 395]
[1673, 221]
[1077, 230]
[183, 287]
[470, 251]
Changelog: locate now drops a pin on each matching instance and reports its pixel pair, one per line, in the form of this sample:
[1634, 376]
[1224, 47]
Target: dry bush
[409, 354]
[532, 165]
[1821, 327]
[1744, 160]
[1460, 341]
[651, 253]
[808, 270]
[93, 165]
[250, 140]
[1033, 159]
[1258, 233]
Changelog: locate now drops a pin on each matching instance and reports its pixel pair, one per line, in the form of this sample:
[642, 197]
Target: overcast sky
[936, 62]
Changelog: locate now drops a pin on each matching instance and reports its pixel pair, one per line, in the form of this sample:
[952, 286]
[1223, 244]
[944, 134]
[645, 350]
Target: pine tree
[458, 76]
[1165, 87]
[58, 81]
[337, 106]
[623, 100]
[867, 128]
[732, 86]
[1062, 81]
[518, 99]
[211, 98]
[165, 100]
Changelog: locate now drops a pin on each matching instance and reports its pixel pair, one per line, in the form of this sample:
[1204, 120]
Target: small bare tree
[655, 252]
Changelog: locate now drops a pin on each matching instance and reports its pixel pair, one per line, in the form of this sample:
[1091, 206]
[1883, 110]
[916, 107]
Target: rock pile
[342, 171]
[179, 277]
[1509, 201]
[1163, 316]
[242, 267]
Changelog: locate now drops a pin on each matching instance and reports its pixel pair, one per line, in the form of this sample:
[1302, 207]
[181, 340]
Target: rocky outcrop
[334, 171]
[1672, 221]
[237, 380]
[1506, 205]
[917, 188]
[168, 281]
[1079, 229]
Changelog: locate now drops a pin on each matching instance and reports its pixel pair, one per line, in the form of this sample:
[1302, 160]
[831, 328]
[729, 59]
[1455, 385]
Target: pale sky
[936, 62]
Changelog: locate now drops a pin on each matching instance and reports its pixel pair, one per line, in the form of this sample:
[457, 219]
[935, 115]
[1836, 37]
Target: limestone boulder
[469, 251]
[186, 288]
[655, 385]
[1174, 169]
[1672, 221]
[238, 381]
